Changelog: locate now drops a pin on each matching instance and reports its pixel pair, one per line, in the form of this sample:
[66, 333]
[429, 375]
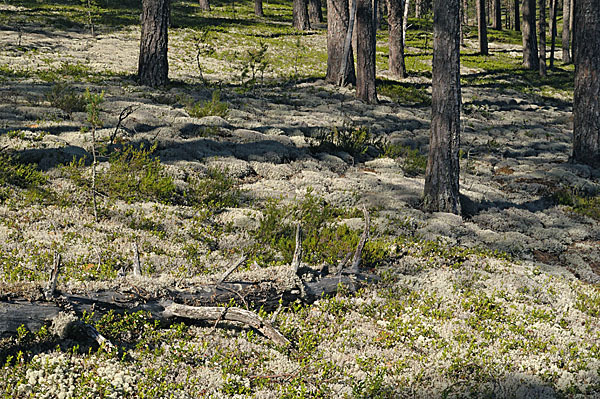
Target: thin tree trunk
[418, 6]
[441, 192]
[204, 5]
[586, 104]
[258, 8]
[497, 15]
[517, 15]
[542, 37]
[315, 13]
[405, 22]
[553, 12]
[340, 28]
[153, 65]
[482, 27]
[300, 15]
[395, 21]
[365, 52]
[530, 50]
[566, 35]
[465, 8]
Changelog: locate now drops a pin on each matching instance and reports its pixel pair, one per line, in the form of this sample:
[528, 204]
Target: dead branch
[137, 270]
[297, 260]
[223, 313]
[231, 269]
[51, 287]
[125, 113]
[354, 268]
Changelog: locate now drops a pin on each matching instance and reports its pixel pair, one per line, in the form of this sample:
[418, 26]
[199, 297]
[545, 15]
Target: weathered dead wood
[231, 269]
[137, 270]
[51, 287]
[297, 259]
[224, 313]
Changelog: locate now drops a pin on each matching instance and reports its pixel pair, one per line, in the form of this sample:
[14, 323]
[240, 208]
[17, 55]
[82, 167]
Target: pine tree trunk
[365, 52]
[405, 22]
[465, 12]
[300, 15]
[586, 104]
[530, 50]
[204, 5]
[258, 8]
[542, 26]
[338, 15]
[566, 35]
[482, 27]
[517, 15]
[441, 192]
[497, 15]
[395, 21]
[153, 65]
[418, 7]
[553, 12]
[315, 13]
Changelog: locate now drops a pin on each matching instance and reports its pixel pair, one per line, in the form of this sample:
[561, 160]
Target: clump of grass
[65, 98]
[355, 141]
[21, 175]
[403, 93]
[413, 162]
[214, 107]
[585, 205]
[215, 191]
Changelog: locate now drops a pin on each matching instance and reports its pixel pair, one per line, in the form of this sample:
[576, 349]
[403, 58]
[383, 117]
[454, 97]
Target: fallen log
[198, 303]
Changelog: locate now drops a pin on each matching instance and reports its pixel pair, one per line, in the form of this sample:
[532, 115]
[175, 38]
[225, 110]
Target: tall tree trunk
[586, 104]
[315, 13]
[542, 25]
[517, 16]
[338, 15]
[300, 15]
[395, 21]
[497, 15]
[465, 8]
[553, 12]
[365, 52]
[340, 59]
[441, 192]
[153, 65]
[418, 8]
[405, 22]
[258, 8]
[566, 35]
[204, 5]
[530, 50]
[482, 27]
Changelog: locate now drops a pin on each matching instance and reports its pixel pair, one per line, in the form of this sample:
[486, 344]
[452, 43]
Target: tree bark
[338, 16]
[396, 22]
[542, 26]
[315, 13]
[441, 192]
[553, 12]
[405, 22]
[153, 65]
[465, 8]
[566, 35]
[497, 15]
[258, 8]
[482, 27]
[517, 15]
[365, 52]
[586, 104]
[418, 8]
[530, 50]
[204, 5]
[300, 15]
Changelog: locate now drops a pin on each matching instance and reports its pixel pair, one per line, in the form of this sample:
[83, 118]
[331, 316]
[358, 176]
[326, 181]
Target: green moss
[404, 93]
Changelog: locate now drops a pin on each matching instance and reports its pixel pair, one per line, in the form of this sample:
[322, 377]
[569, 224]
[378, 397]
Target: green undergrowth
[404, 93]
[324, 239]
[356, 141]
[413, 162]
[15, 175]
[581, 204]
[214, 107]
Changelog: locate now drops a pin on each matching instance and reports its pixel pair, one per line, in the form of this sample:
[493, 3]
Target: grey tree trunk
[586, 104]
[315, 13]
[553, 12]
[204, 5]
[482, 27]
[396, 22]
[405, 22]
[365, 52]
[418, 8]
[517, 16]
[258, 8]
[542, 25]
[153, 64]
[300, 15]
[530, 50]
[497, 15]
[566, 35]
[338, 16]
[441, 192]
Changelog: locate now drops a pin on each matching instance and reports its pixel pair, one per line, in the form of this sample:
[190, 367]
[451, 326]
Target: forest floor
[501, 302]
